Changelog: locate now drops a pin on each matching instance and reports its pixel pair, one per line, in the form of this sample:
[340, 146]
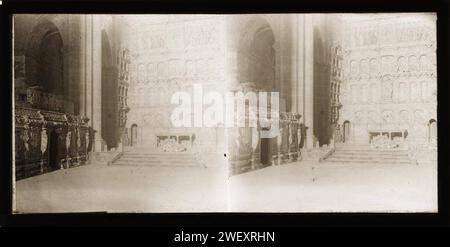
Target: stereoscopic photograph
[272, 113]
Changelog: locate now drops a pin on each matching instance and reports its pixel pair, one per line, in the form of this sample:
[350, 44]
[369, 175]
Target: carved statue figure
[25, 139]
[388, 90]
[255, 138]
[44, 139]
[86, 136]
[78, 138]
[68, 136]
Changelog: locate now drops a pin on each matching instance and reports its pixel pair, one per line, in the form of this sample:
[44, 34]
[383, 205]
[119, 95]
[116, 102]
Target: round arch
[44, 58]
[432, 130]
[133, 134]
[346, 131]
[256, 59]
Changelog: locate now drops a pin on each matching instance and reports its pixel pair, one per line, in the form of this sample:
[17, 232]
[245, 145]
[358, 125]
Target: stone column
[277, 76]
[91, 74]
[97, 81]
[295, 63]
[83, 62]
[306, 75]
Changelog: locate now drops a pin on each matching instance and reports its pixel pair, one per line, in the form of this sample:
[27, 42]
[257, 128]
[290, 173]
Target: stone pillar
[91, 74]
[83, 62]
[295, 63]
[97, 81]
[305, 70]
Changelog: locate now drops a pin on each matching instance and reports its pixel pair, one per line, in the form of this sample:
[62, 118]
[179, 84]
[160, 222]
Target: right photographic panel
[336, 112]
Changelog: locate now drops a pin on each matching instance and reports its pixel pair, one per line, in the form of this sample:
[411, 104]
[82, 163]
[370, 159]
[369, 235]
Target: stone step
[148, 158]
[367, 158]
[170, 164]
[371, 150]
[158, 154]
[158, 157]
[156, 161]
[365, 155]
[374, 156]
[366, 161]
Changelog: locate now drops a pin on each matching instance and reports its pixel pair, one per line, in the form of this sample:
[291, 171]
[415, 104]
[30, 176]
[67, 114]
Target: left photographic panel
[93, 109]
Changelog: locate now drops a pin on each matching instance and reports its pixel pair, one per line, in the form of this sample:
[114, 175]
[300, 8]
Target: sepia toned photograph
[271, 113]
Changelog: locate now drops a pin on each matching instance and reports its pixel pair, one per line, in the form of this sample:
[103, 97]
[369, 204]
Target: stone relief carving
[402, 65]
[353, 93]
[33, 141]
[365, 93]
[190, 68]
[78, 138]
[433, 89]
[354, 70]
[424, 91]
[162, 69]
[151, 72]
[156, 42]
[44, 138]
[388, 90]
[388, 65]
[141, 73]
[424, 63]
[68, 139]
[255, 139]
[359, 116]
[25, 137]
[415, 91]
[86, 139]
[419, 116]
[403, 92]
[404, 116]
[413, 63]
[373, 117]
[374, 67]
[402, 31]
[374, 92]
[147, 119]
[364, 65]
[201, 36]
[387, 116]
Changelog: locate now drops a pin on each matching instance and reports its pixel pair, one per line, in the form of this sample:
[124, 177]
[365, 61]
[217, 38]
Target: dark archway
[53, 151]
[432, 130]
[347, 131]
[322, 89]
[110, 130]
[256, 61]
[134, 134]
[44, 58]
[257, 72]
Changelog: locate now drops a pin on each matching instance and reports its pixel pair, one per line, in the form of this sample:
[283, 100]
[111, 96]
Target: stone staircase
[155, 158]
[365, 155]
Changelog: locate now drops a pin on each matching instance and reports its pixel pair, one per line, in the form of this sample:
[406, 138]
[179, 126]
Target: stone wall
[389, 75]
[171, 53]
[73, 47]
